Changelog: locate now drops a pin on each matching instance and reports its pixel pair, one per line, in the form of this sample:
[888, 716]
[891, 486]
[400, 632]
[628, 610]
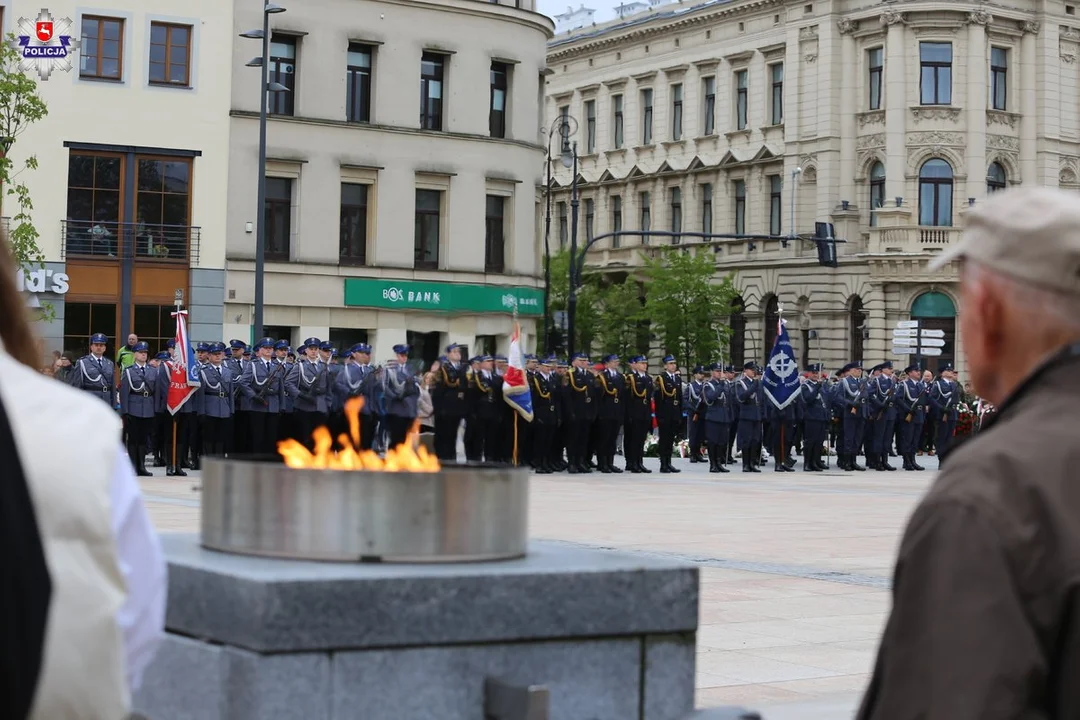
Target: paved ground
[795, 567]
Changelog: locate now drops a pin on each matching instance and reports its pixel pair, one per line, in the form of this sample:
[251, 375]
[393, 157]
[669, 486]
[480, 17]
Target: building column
[977, 69]
[849, 93]
[1029, 171]
[895, 110]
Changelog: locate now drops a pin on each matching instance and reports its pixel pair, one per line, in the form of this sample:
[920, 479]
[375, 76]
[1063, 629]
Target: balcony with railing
[910, 239]
[144, 242]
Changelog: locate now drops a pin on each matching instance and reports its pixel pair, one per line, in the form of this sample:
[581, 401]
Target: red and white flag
[515, 385]
[183, 372]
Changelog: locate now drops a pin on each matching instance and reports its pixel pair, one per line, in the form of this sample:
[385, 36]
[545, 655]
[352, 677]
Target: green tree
[686, 304]
[588, 302]
[619, 317]
[20, 107]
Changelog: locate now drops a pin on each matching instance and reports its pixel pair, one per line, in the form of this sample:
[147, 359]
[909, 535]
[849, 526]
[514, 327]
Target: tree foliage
[588, 303]
[686, 305]
[620, 317]
[20, 107]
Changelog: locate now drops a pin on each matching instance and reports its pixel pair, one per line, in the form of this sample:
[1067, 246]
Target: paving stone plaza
[795, 567]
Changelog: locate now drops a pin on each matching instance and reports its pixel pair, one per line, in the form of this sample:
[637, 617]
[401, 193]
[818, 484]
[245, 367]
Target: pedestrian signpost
[910, 339]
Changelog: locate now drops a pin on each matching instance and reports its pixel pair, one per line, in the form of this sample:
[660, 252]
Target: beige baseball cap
[1031, 234]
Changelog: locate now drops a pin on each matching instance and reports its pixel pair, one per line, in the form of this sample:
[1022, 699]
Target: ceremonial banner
[183, 373]
[781, 376]
[515, 386]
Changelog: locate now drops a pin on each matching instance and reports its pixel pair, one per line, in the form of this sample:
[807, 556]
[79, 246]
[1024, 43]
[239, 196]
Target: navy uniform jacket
[236, 365]
[581, 395]
[161, 393]
[448, 396]
[216, 392]
[333, 393]
[612, 395]
[95, 376]
[908, 399]
[262, 387]
[138, 385]
[718, 401]
[851, 393]
[355, 380]
[880, 389]
[816, 401]
[638, 397]
[943, 398]
[401, 392]
[668, 398]
[692, 397]
[748, 394]
[543, 398]
[309, 383]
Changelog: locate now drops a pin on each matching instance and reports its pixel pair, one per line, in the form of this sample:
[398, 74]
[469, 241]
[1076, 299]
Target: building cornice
[694, 17]
[486, 10]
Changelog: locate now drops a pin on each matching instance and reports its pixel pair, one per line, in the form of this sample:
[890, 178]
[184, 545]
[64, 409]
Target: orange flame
[407, 457]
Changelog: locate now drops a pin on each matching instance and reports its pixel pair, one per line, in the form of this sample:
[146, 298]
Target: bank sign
[442, 297]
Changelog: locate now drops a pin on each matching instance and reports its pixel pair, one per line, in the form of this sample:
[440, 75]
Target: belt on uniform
[221, 394]
[144, 393]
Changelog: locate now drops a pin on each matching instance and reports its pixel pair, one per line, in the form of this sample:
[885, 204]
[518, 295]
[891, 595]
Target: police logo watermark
[46, 44]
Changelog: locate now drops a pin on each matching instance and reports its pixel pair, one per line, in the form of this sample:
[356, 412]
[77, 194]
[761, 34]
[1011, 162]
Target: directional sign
[930, 343]
[931, 352]
[908, 324]
[933, 333]
[905, 332]
[903, 350]
[905, 341]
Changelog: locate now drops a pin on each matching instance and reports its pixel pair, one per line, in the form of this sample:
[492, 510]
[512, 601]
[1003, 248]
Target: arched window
[772, 318]
[856, 325]
[936, 311]
[935, 193]
[738, 333]
[877, 190]
[995, 178]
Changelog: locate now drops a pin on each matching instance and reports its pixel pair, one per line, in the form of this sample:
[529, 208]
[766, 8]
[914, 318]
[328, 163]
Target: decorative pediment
[765, 154]
[635, 172]
[555, 184]
[730, 158]
[582, 180]
[665, 167]
[696, 164]
[607, 177]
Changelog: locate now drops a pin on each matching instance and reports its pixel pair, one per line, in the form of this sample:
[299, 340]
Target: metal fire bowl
[463, 513]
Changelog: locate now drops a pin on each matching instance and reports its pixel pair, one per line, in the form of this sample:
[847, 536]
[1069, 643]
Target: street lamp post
[570, 151]
[266, 88]
[566, 127]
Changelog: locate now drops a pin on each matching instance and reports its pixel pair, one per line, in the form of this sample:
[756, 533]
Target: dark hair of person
[16, 332]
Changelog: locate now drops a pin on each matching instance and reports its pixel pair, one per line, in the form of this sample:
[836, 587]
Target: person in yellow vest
[106, 604]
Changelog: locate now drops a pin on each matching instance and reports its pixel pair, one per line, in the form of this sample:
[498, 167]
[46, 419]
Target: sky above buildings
[604, 8]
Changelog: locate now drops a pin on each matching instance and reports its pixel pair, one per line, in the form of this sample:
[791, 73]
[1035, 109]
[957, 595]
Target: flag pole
[515, 329]
[516, 438]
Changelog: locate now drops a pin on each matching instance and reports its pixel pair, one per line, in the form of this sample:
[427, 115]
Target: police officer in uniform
[944, 397]
[287, 418]
[559, 445]
[814, 395]
[261, 393]
[639, 391]
[137, 387]
[668, 411]
[883, 417]
[911, 399]
[95, 373]
[449, 403]
[852, 394]
[216, 402]
[695, 414]
[716, 396]
[581, 404]
[175, 425]
[486, 395]
[749, 396]
[611, 413]
[355, 380]
[308, 381]
[241, 427]
[402, 393]
[542, 386]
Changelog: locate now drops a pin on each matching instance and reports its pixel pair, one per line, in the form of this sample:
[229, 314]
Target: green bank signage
[442, 297]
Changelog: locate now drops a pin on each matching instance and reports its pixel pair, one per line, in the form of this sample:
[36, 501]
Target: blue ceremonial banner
[781, 376]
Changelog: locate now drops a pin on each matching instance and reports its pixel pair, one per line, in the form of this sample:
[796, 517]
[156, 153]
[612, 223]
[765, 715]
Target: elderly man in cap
[985, 595]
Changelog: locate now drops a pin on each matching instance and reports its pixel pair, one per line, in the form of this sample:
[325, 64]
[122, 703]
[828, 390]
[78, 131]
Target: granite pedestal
[610, 635]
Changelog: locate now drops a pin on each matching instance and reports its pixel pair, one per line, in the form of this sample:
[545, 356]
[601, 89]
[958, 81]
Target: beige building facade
[402, 168]
[129, 195]
[886, 120]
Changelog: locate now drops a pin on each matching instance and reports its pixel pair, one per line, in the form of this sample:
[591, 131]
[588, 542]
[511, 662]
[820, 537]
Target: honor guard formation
[585, 415]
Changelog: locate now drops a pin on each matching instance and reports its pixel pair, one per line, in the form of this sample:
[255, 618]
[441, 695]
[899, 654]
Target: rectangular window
[676, 112]
[776, 185]
[646, 116]
[710, 105]
[590, 126]
[564, 227]
[590, 218]
[101, 50]
[776, 102]
[676, 214]
[82, 319]
[999, 78]
[432, 71]
[500, 87]
[646, 216]
[170, 54]
[354, 223]
[283, 70]
[616, 219]
[742, 89]
[93, 204]
[358, 84]
[935, 81]
[277, 216]
[617, 104]
[495, 234]
[163, 206]
[875, 61]
[706, 208]
[428, 229]
[740, 207]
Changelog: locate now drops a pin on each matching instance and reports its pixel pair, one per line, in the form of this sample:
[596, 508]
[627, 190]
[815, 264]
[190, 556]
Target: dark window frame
[857, 319]
[709, 87]
[996, 181]
[877, 190]
[616, 220]
[742, 99]
[500, 83]
[706, 208]
[999, 79]
[938, 186]
[278, 249]
[84, 49]
[424, 219]
[875, 76]
[776, 108]
[283, 102]
[354, 218]
[170, 48]
[590, 218]
[432, 117]
[739, 192]
[675, 195]
[358, 81]
[564, 225]
[676, 111]
[645, 214]
[495, 233]
[619, 120]
[776, 204]
[590, 126]
[646, 116]
[940, 72]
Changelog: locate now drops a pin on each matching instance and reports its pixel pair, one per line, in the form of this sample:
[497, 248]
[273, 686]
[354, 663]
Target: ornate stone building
[762, 117]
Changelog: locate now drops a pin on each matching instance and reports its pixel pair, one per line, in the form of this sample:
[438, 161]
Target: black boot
[916, 465]
[715, 451]
[780, 467]
[885, 463]
[855, 464]
[140, 466]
